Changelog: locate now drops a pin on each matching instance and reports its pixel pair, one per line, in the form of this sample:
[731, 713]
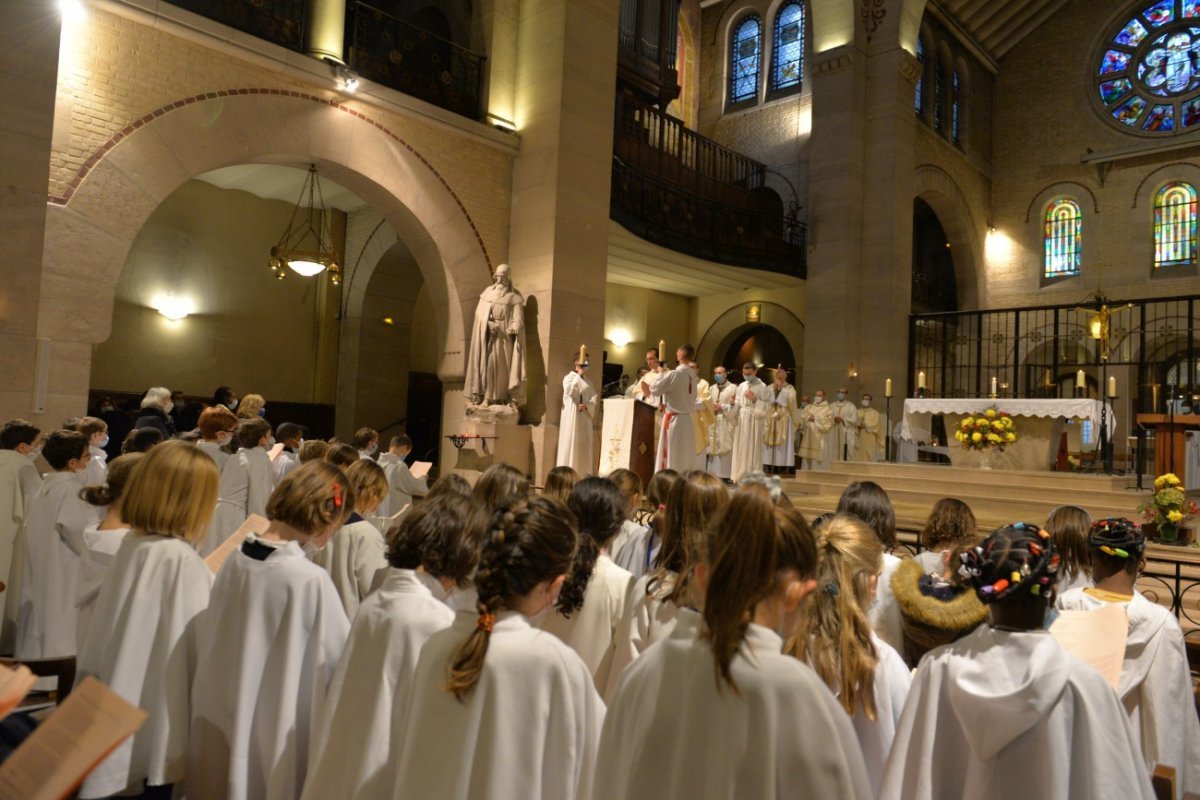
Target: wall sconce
[619, 338]
[389, 320]
[347, 79]
[754, 313]
[174, 307]
[853, 371]
[503, 124]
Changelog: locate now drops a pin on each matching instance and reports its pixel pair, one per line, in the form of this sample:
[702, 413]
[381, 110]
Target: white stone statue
[496, 360]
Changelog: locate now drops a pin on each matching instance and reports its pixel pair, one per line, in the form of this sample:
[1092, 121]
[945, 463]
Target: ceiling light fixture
[306, 247]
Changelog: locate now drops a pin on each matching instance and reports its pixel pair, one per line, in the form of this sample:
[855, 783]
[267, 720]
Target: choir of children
[465, 652]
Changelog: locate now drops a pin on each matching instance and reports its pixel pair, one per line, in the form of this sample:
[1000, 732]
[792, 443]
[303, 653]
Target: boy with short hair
[46, 621]
[20, 444]
[402, 486]
[290, 435]
[96, 430]
[366, 442]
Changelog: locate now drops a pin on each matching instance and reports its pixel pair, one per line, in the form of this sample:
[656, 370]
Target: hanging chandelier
[306, 247]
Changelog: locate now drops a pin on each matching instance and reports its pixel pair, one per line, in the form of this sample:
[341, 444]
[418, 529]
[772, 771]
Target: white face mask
[103, 443]
[34, 453]
[819, 399]
[170, 407]
[233, 404]
[866, 403]
[224, 438]
[371, 448]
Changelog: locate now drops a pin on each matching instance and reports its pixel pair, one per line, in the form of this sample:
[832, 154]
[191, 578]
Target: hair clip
[1114, 551]
[1000, 585]
[486, 622]
[337, 495]
[831, 589]
[662, 506]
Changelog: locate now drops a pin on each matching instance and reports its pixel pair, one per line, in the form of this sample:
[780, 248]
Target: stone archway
[937, 189]
[90, 228]
[729, 326]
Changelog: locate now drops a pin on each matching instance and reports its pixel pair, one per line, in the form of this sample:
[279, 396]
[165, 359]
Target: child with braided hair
[1155, 680]
[1005, 711]
[835, 638]
[498, 707]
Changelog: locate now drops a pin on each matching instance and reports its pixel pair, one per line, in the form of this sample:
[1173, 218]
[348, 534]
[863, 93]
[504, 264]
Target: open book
[81, 732]
[420, 469]
[253, 524]
[1095, 637]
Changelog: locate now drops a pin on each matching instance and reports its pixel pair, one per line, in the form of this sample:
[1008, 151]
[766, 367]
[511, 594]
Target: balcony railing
[404, 57]
[669, 215]
[278, 21]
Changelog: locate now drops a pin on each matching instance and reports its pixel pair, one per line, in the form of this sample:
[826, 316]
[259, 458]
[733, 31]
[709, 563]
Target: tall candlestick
[887, 388]
[1080, 380]
[994, 392]
[1112, 385]
[920, 380]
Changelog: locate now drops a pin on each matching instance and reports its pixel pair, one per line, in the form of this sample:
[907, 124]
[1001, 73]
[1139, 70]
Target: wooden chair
[61, 668]
[1163, 781]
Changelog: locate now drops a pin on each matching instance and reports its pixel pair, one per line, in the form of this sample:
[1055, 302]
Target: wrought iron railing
[669, 215]
[404, 57]
[278, 21]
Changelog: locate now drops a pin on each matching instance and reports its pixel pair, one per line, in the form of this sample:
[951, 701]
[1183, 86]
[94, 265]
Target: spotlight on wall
[71, 9]
[174, 307]
[500, 122]
[619, 338]
[389, 320]
[754, 313]
[346, 78]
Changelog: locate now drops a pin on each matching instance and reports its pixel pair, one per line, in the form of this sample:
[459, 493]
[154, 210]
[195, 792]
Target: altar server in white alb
[357, 552]
[868, 436]
[20, 443]
[1005, 711]
[779, 449]
[575, 432]
[246, 482]
[403, 487]
[96, 430]
[752, 400]
[868, 677]
[1156, 684]
[600, 509]
[54, 524]
[498, 707]
[438, 540]
[140, 641]
[727, 714]
[677, 388]
[845, 426]
[268, 646]
[722, 402]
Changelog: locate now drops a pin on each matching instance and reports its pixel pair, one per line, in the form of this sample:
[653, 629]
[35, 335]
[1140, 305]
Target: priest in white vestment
[845, 423]
[677, 388]
[19, 484]
[719, 450]
[817, 421]
[779, 452]
[869, 433]
[575, 432]
[751, 403]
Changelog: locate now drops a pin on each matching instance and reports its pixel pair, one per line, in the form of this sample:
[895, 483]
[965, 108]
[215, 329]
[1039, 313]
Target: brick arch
[90, 228]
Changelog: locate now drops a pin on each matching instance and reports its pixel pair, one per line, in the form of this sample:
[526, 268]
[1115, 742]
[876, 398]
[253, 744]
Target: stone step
[1005, 477]
[974, 485]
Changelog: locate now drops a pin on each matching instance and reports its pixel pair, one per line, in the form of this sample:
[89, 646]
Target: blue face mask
[103, 443]
[262, 412]
[841, 396]
[719, 378]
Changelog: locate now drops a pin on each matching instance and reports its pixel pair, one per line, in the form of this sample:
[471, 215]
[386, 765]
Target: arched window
[1175, 225]
[937, 92]
[919, 99]
[745, 56]
[955, 110]
[1064, 238]
[787, 48]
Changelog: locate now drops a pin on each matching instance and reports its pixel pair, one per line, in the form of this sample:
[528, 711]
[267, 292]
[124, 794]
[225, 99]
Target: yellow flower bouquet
[1168, 508]
[990, 430]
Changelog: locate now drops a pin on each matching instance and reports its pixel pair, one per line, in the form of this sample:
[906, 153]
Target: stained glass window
[787, 47]
[1064, 238]
[744, 59]
[919, 100]
[955, 130]
[1175, 225]
[1148, 71]
[937, 92]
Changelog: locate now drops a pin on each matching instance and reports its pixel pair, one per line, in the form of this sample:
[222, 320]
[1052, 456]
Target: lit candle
[920, 380]
[887, 388]
[583, 354]
[1080, 380]
[994, 392]
[1112, 385]
[662, 349]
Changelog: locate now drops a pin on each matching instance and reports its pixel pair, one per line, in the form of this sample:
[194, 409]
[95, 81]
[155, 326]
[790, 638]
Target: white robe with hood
[1156, 686]
[750, 428]
[677, 444]
[673, 732]
[648, 618]
[100, 552]
[268, 646]
[591, 631]
[352, 557]
[529, 728]
[142, 645]
[575, 435]
[19, 484]
[247, 481]
[352, 741]
[1000, 715]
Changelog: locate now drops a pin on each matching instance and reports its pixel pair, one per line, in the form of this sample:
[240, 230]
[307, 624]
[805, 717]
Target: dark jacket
[151, 417]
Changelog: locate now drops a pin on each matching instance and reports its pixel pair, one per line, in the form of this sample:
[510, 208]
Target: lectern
[627, 437]
[1170, 440]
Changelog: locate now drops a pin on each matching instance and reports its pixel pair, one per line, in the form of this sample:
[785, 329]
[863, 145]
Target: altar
[1039, 425]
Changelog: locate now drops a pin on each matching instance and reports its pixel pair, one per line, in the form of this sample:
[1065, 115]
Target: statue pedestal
[496, 438]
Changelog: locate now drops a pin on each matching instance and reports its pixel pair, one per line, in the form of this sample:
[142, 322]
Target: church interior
[955, 207]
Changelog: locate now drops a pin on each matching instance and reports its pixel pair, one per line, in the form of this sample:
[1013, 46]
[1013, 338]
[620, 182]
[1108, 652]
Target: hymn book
[54, 760]
[1095, 637]
[253, 524]
[420, 469]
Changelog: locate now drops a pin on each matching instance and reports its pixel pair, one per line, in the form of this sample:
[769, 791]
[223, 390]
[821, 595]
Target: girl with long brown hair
[867, 675]
[721, 712]
[499, 708]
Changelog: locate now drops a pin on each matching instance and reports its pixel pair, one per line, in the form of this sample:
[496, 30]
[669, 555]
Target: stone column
[497, 23]
[325, 29]
[564, 104]
[28, 85]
